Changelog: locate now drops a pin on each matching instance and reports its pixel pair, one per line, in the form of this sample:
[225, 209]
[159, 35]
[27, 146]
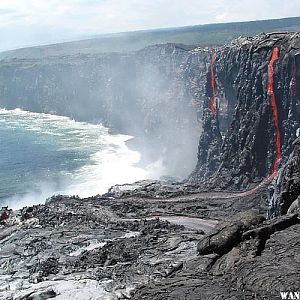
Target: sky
[35, 22]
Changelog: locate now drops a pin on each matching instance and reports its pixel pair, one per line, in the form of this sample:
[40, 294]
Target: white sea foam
[108, 159]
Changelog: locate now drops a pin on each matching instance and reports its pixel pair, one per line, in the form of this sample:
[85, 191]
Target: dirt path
[189, 222]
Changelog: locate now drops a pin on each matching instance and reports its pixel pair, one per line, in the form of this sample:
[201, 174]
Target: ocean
[44, 154]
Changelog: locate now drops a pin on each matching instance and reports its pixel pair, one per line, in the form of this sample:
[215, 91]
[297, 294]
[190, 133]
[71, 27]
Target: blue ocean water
[44, 154]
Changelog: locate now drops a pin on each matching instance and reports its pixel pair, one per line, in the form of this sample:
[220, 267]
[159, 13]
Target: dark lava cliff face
[154, 94]
[252, 110]
[285, 197]
[245, 95]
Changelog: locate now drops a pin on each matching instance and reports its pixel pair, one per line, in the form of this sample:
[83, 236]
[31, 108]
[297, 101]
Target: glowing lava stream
[212, 82]
[274, 58]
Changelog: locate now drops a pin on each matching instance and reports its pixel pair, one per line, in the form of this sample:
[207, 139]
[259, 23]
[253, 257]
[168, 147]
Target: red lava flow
[274, 58]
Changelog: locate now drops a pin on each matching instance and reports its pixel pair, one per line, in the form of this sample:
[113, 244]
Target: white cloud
[24, 22]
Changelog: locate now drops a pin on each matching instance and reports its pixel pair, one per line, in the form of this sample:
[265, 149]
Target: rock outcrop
[259, 264]
[286, 189]
[229, 234]
[255, 86]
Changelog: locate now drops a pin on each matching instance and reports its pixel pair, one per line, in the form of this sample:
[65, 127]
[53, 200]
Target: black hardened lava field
[229, 230]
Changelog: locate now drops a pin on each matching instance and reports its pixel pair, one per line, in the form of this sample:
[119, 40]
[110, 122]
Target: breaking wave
[44, 154]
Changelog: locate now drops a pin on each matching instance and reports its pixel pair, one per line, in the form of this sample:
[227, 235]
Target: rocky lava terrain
[231, 231]
[173, 243]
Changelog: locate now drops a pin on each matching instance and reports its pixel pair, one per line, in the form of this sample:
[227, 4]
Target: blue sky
[34, 22]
